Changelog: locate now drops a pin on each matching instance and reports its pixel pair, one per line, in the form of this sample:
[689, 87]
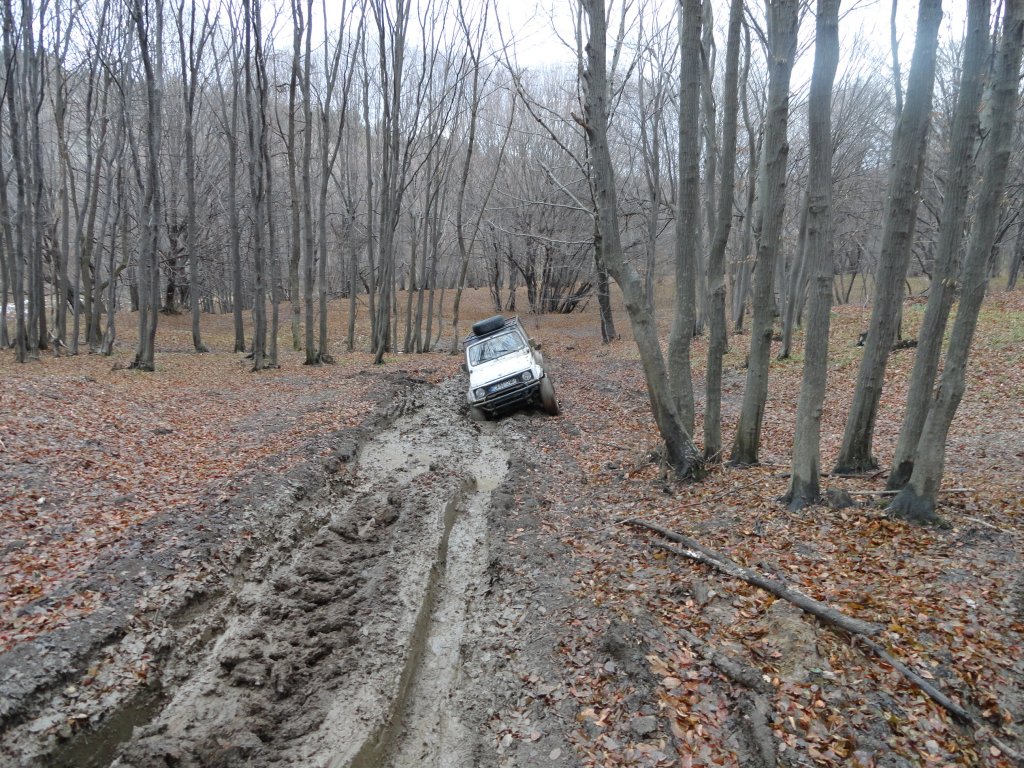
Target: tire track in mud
[352, 646]
[432, 731]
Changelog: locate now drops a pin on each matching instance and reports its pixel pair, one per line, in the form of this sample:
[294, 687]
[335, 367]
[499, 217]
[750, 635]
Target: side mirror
[465, 368]
[537, 345]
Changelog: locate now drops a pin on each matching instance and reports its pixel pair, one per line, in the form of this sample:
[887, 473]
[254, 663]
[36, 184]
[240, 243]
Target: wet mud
[371, 625]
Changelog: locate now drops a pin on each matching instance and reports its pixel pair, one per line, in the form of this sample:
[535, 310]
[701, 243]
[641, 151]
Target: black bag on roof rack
[490, 325]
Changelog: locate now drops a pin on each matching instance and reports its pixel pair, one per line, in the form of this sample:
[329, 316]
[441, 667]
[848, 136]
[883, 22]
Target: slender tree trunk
[804, 487]
[604, 301]
[718, 331]
[917, 500]
[680, 451]
[295, 241]
[687, 217]
[235, 235]
[1017, 258]
[152, 212]
[461, 239]
[742, 266]
[272, 261]
[19, 252]
[256, 129]
[308, 228]
[782, 29]
[110, 333]
[960, 169]
[794, 283]
[905, 173]
[191, 52]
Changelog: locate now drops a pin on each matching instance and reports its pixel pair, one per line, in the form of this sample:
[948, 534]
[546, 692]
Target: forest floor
[333, 566]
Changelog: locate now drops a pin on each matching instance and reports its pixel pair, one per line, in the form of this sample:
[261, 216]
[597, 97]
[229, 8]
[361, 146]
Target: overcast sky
[540, 27]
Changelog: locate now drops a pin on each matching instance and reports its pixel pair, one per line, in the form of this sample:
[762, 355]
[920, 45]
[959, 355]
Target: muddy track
[378, 611]
[344, 652]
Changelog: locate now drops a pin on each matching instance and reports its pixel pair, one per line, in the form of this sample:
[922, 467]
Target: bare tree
[191, 44]
[230, 129]
[688, 213]
[917, 500]
[474, 37]
[742, 266]
[150, 38]
[959, 176]
[717, 322]
[680, 451]
[256, 134]
[905, 173]
[783, 21]
[804, 487]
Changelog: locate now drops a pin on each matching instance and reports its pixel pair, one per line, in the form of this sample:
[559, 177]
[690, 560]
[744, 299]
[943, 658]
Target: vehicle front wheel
[547, 396]
[477, 414]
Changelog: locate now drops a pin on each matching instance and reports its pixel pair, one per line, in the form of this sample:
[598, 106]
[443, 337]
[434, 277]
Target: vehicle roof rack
[490, 326]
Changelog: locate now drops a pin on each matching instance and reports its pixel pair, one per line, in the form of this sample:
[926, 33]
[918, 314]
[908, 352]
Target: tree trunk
[295, 240]
[959, 176]
[783, 21]
[918, 498]
[309, 251]
[152, 213]
[742, 265]
[604, 299]
[905, 173]
[235, 234]
[803, 486]
[256, 131]
[795, 281]
[680, 451]
[718, 332]
[1017, 258]
[687, 216]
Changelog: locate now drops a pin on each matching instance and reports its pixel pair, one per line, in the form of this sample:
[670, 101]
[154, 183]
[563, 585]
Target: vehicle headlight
[479, 394]
[528, 376]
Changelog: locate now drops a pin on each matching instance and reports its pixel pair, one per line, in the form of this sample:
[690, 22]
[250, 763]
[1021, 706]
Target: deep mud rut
[371, 636]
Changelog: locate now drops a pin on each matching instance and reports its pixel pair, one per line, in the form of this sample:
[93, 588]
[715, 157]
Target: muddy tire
[548, 400]
[477, 414]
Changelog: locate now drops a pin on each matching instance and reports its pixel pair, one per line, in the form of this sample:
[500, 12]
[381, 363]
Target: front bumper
[508, 399]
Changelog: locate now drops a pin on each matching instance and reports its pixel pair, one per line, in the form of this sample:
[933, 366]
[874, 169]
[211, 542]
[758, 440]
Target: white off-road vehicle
[506, 370]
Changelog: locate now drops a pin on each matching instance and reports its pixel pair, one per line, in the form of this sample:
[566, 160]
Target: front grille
[503, 385]
[519, 394]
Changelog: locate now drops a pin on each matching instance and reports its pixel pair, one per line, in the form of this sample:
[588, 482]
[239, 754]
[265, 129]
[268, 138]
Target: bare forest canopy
[263, 160]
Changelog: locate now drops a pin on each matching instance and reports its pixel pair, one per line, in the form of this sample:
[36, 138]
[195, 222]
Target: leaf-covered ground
[90, 452]
[951, 602]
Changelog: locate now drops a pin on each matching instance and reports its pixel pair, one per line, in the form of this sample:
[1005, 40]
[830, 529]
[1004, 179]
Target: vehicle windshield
[494, 347]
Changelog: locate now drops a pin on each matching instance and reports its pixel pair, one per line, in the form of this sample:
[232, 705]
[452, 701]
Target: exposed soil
[372, 618]
[416, 589]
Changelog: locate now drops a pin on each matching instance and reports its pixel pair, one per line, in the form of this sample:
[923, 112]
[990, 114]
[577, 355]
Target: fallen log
[860, 630]
[820, 610]
[733, 669]
[893, 493]
[696, 551]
